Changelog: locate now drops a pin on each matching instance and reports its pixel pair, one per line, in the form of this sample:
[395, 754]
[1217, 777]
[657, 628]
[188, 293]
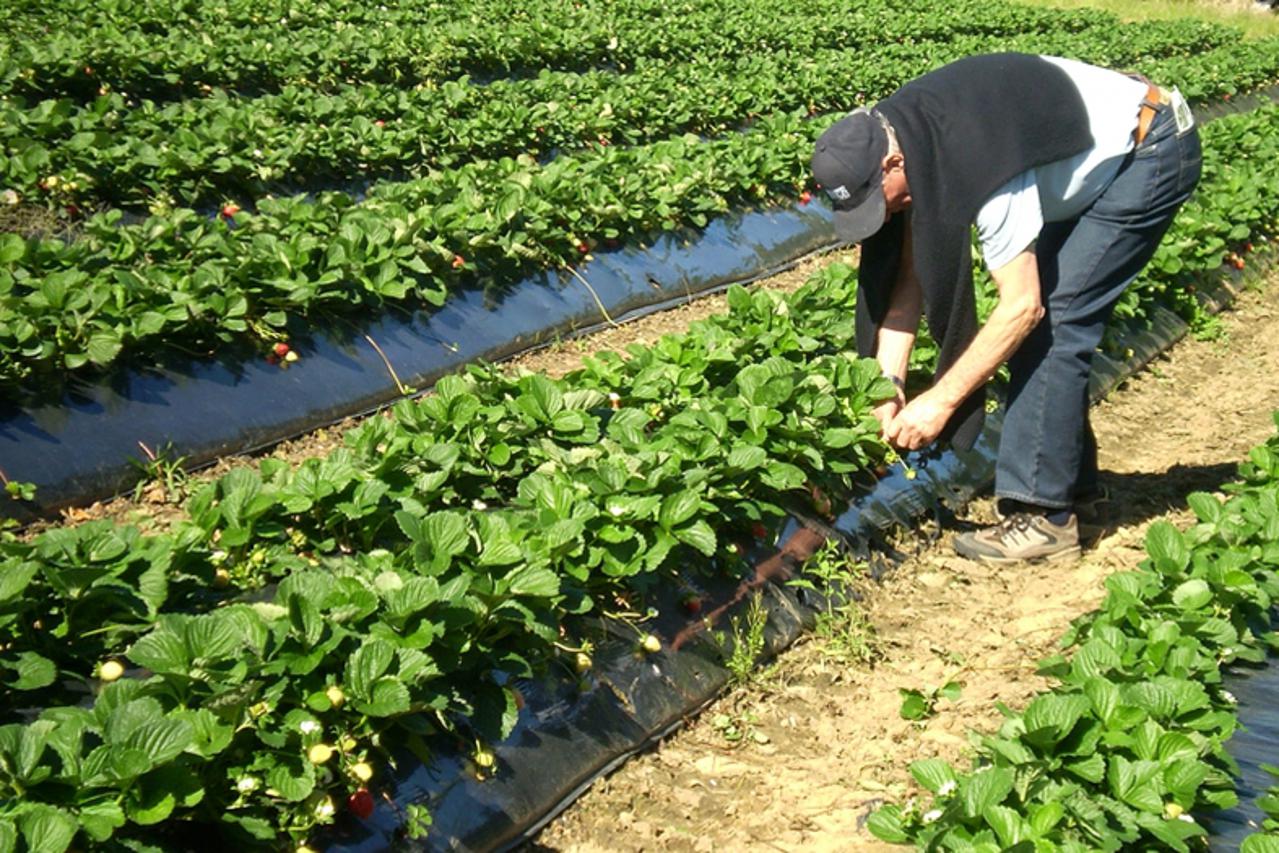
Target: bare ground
[824, 740]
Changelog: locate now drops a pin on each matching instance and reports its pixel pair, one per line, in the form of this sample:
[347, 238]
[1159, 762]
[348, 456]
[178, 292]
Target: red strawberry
[229, 210]
[379, 123]
[583, 248]
[691, 604]
[805, 197]
[1247, 247]
[458, 262]
[281, 349]
[360, 803]
[1237, 263]
[759, 531]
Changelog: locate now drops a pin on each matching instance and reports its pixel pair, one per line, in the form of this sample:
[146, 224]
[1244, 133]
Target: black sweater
[965, 130]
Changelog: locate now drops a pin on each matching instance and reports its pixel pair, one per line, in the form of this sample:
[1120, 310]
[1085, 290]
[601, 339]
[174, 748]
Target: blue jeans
[1047, 452]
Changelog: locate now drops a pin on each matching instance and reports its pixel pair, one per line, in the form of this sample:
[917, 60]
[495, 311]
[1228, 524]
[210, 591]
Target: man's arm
[896, 337]
[1018, 311]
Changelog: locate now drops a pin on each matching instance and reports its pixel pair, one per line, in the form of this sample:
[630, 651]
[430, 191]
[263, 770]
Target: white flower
[257, 152]
[309, 727]
[1229, 697]
[1187, 818]
[479, 505]
[613, 396]
[1227, 652]
[9, 197]
[616, 511]
[324, 808]
[948, 787]
[247, 784]
[932, 816]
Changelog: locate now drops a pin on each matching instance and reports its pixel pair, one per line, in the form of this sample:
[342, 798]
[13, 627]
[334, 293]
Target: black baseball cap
[848, 165]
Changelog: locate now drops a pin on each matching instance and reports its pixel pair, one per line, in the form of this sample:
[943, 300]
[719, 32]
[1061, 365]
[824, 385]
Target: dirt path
[824, 740]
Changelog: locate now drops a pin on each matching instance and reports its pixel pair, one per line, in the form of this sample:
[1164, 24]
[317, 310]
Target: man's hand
[919, 423]
[889, 409]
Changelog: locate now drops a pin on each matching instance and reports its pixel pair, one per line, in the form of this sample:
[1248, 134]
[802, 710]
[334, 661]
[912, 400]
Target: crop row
[401, 49]
[1129, 745]
[203, 151]
[299, 621]
[250, 668]
[181, 276]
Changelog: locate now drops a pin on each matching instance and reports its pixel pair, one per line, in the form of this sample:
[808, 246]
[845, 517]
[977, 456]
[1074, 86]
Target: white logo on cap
[840, 193]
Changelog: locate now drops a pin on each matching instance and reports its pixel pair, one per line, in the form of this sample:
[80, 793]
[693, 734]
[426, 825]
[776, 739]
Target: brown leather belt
[1155, 98]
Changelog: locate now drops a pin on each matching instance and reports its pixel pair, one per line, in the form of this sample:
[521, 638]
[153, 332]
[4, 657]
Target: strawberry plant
[1129, 745]
[253, 664]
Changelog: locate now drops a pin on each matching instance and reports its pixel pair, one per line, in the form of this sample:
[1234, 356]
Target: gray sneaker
[1021, 537]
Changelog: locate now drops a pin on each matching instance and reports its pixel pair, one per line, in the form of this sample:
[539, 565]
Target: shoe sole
[1069, 554]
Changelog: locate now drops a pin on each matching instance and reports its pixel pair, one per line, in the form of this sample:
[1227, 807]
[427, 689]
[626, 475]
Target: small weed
[161, 470]
[848, 633]
[747, 641]
[739, 728]
[922, 704]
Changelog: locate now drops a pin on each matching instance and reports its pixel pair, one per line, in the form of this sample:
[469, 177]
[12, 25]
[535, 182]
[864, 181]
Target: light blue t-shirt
[1012, 218]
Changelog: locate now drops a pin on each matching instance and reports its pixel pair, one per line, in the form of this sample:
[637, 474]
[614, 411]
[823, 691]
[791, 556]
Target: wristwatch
[898, 381]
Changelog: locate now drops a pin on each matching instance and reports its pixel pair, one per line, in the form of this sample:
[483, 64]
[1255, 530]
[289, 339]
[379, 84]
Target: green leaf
[699, 535]
[162, 740]
[46, 829]
[1206, 507]
[886, 824]
[162, 650]
[8, 836]
[1050, 717]
[1045, 816]
[14, 580]
[745, 457]
[388, 698]
[932, 773]
[12, 247]
[533, 581]
[445, 534]
[104, 346]
[294, 779]
[1259, 843]
[34, 671]
[915, 706]
[1192, 595]
[366, 665]
[985, 788]
[678, 508]
[1008, 825]
[1172, 832]
[1167, 546]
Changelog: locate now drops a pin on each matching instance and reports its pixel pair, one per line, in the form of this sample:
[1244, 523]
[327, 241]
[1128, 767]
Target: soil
[797, 758]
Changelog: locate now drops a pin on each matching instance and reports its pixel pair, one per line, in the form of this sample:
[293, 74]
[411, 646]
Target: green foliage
[1130, 741]
[474, 180]
[297, 619]
[922, 704]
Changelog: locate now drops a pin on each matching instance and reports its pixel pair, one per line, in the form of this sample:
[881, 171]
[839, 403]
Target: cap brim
[858, 223]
